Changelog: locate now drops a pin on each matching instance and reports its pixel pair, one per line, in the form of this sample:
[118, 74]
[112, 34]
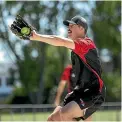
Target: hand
[21, 28]
[34, 36]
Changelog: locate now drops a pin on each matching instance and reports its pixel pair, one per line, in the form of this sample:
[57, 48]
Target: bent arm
[60, 90]
[53, 40]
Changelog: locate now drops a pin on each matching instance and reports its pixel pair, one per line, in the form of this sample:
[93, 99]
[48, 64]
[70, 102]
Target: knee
[55, 116]
[60, 116]
[50, 118]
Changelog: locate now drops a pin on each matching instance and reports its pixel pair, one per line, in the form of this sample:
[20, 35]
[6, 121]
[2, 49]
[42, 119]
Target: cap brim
[67, 22]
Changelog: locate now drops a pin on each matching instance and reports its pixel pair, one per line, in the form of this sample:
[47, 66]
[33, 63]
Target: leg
[56, 113]
[71, 111]
[67, 112]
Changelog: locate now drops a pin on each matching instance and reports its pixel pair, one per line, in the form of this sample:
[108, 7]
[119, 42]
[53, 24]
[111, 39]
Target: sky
[2, 56]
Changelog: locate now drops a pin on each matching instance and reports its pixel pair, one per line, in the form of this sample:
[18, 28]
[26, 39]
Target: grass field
[98, 116]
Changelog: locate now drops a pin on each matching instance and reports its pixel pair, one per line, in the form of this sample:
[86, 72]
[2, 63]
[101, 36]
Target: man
[66, 79]
[89, 91]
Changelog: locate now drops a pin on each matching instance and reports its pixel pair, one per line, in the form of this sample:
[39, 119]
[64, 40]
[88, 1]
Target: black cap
[77, 20]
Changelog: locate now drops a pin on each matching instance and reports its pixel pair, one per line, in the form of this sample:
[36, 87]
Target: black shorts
[90, 103]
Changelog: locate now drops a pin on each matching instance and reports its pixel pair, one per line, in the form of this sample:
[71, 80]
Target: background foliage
[40, 65]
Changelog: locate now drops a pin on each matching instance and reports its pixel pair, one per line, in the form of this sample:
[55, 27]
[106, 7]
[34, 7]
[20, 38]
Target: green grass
[98, 116]
[107, 116]
[25, 117]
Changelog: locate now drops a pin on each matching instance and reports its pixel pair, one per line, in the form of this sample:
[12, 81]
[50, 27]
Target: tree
[31, 69]
[39, 64]
[106, 23]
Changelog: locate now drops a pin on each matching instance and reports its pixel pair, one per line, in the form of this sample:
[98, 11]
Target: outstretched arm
[24, 31]
[53, 40]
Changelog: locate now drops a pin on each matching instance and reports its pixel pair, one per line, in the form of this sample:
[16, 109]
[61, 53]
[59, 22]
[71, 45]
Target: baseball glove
[21, 28]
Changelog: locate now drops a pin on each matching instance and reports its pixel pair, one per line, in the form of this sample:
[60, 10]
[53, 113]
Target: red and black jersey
[86, 67]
